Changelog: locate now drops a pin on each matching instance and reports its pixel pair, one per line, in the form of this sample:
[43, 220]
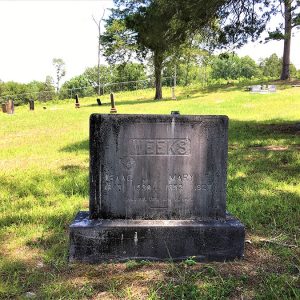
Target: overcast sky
[35, 32]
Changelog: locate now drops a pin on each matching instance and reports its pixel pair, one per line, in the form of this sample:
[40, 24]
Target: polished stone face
[158, 167]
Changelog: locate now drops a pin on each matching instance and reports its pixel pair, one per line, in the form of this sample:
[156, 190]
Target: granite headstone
[157, 191]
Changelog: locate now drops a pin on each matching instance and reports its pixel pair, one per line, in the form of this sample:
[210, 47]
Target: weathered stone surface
[158, 166]
[157, 191]
[95, 241]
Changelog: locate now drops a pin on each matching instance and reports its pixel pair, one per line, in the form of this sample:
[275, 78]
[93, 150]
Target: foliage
[15, 91]
[272, 67]
[42, 91]
[106, 75]
[77, 85]
[22, 93]
[290, 10]
[117, 73]
[284, 6]
[240, 21]
[153, 27]
[189, 60]
[230, 66]
[129, 72]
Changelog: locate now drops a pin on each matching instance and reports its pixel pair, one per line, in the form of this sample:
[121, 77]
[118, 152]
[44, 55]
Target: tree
[226, 67]
[154, 27]
[245, 19]
[290, 10]
[187, 61]
[59, 65]
[249, 68]
[138, 26]
[230, 66]
[42, 91]
[272, 66]
[16, 91]
[129, 72]
[48, 92]
[106, 76]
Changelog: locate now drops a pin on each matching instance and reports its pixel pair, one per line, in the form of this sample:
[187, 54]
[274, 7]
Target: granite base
[96, 241]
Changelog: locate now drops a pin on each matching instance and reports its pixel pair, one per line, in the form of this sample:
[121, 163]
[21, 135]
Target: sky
[35, 32]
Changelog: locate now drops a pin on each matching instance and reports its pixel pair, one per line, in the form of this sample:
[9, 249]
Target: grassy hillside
[44, 183]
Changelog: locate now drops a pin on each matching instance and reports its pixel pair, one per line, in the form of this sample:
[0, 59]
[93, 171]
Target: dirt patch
[283, 128]
[277, 148]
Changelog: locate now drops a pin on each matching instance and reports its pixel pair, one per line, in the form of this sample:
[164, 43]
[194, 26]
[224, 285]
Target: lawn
[44, 183]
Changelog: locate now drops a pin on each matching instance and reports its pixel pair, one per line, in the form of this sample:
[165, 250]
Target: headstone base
[96, 241]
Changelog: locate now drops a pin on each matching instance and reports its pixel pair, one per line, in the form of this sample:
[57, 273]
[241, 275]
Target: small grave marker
[113, 109]
[4, 107]
[31, 104]
[77, 104]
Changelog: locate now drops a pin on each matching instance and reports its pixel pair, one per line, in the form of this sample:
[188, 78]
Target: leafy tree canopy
[154, 27]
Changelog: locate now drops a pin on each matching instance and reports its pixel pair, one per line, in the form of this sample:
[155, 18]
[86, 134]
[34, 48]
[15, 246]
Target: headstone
[157, 191]
[10, 107]
[4, 107]
[113, 109]
[272, 88]
[99, 102]
[256, 88]
[31, 104]
[77, 104]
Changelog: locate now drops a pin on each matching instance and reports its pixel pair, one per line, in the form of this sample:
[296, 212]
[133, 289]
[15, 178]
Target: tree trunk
[285, 73]
[158, 62]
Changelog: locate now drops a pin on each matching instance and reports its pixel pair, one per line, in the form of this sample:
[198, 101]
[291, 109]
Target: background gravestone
[31, 104]
[4, 107]
[157, 189]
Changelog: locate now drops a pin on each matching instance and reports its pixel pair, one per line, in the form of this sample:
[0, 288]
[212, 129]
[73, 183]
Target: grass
[44, 182]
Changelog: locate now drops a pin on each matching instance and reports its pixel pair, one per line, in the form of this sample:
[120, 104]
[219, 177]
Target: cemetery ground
[44, 183]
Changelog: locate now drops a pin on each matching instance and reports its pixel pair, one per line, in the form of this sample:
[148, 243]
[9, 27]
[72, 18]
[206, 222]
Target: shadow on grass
[129, 102]
[44, 197]
[186, 94]
[37, 212]
[82, 146]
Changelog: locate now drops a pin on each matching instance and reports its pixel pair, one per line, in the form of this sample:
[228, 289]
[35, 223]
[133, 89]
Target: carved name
[160, 147]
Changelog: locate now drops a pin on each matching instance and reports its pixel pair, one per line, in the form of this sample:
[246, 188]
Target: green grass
[44, 182]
